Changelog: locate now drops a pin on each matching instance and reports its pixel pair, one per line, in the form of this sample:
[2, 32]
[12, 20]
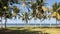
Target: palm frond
[55, 6]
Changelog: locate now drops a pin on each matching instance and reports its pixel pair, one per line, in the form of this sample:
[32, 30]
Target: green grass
[21, 30]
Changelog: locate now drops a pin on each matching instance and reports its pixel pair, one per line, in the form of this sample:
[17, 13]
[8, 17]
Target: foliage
[38, 5]
[56, 7]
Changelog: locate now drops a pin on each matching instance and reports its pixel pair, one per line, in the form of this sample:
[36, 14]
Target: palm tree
[37, 7]
[25, 18]
[34, 11]
[4, 6]
[5, 11]
[55, 7]
[26, 15]
[16, 12]
[1, 12]
[1, 18]
[7, 15]
[41, 4]
[58, 10]
[58, 13]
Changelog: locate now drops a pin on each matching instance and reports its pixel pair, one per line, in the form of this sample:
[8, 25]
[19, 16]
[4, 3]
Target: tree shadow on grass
[21, 32]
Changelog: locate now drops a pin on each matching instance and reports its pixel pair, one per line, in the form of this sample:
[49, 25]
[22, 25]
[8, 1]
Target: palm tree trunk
[26, 25]
[35, 22]
[40, 23]
[16, 24]
[29, 22]
[56, 19]
[5, 23]
[50, 24]
[1, 23]
[56, 22]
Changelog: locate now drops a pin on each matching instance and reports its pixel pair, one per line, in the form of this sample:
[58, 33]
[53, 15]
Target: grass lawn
[48, 30]
[31, 30]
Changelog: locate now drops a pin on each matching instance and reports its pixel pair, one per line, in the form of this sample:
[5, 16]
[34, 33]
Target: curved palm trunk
[56, 23]
[26, 22]
[16, 24]
[26, 25]
[1, 22]
[35, 22]
[50, 23]
[40, 23]
[29, 22]
[56, 20]
[5, 23]
[49, 20]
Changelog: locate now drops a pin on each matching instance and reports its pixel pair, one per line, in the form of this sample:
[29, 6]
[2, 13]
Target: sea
[31, 25]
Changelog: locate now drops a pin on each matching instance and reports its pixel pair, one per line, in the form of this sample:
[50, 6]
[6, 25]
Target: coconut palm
[3, 7]
[1, 17]
[55, 7]
[1, 12]
[7, 15]
[26, 15]
[58, 10]
[16, 12]
[25, 18]
[37, 9]
[34, 11]
[6, 12]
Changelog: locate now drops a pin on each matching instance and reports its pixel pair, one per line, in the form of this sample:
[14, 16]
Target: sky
[52, 20]
[51, 2]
